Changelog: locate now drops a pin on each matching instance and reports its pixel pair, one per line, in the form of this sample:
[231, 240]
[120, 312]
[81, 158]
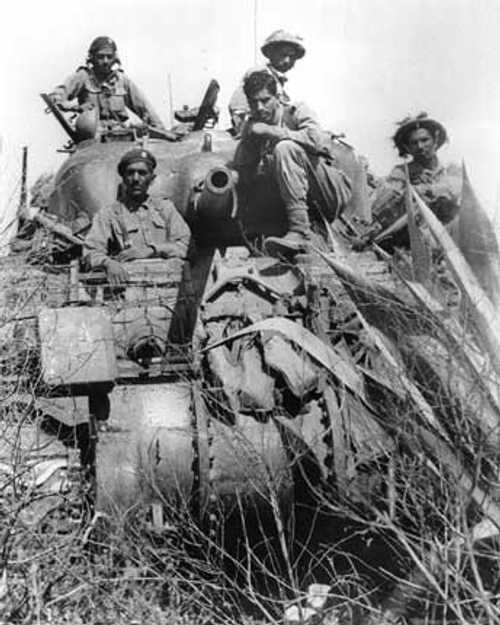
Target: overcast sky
[368, 64]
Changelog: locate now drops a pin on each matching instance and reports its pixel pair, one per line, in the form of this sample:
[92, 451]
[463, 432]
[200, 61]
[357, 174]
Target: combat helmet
[282, 36]
[102, 42]
[409, 124]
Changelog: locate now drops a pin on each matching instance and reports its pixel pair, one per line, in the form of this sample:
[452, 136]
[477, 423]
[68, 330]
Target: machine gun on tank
[63, 122]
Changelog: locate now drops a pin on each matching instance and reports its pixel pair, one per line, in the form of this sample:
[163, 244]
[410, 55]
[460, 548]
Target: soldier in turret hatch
[137, 226]
[283, 50]
[438, 185]
[100, 87]
[285, 143]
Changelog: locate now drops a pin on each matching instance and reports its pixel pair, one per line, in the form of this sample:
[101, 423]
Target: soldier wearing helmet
[103, 93]
[439, 185]
[282, 49]
[136, 226]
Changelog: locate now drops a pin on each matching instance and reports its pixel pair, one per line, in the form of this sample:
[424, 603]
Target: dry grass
[407, 533]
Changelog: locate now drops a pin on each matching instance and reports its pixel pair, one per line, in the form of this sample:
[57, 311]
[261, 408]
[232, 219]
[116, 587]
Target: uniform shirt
[440, 188]
[298, 123]
[112, 96]
[156, 222]
[238, 104]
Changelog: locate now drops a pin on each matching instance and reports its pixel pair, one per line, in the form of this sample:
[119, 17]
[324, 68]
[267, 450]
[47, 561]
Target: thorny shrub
[403, 547]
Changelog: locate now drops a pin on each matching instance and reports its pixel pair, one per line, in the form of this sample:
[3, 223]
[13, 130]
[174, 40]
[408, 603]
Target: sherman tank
[175, 406]
[238, 381]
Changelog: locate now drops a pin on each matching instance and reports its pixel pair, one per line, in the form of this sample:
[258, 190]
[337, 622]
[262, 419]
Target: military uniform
[440, 188]
[154, 223]
[238, 104]
[300, 163]
[111, 96]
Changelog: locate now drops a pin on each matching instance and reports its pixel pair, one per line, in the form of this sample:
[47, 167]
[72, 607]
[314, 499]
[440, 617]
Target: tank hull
[161, 445]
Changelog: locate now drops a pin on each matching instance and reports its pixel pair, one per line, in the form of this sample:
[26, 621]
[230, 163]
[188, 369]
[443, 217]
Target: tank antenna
[170, 100]
[22, 210]
[255, 2]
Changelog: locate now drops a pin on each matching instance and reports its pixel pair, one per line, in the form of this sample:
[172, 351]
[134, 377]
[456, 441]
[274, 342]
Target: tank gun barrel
[214, 207]
[217, 199]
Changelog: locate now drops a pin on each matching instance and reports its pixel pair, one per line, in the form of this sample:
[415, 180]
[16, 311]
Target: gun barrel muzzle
[217, 199]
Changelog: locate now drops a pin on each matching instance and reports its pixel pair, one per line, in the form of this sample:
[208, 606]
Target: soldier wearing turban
[138, 225]
[102, 87]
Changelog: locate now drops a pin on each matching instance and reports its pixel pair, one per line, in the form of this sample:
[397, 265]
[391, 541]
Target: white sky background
[368, 64]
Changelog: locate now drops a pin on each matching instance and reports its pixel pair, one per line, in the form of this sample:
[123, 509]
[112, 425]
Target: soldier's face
[283, 57]
[137, 178]
[103, 60]
[263, 106]
[422, 145]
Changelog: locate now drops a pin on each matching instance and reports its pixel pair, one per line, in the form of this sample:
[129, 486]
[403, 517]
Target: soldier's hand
[135, 253]
[442, 191]
[426, 177]
[86, 106]
[425, 191]
[67, 107]
[360, 243]
[269, 131]
[116, 273]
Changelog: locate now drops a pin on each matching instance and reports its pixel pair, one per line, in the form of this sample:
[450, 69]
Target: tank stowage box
[77, 346]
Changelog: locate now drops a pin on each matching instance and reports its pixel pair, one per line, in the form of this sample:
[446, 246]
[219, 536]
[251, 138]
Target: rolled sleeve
[238, 102]
[449, 186]
[97, 240]
[304, 129]
[70, 89]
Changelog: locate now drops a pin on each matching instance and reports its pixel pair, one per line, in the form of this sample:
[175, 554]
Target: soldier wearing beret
[439, 185]
[100, 85]
[138, 226]
[283, 50]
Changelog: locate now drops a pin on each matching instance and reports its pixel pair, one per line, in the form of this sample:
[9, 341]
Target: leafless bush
[399, 536]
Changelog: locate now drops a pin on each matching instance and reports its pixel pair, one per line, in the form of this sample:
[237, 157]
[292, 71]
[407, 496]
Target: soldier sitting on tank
[438, 185]
[283, 50]
[285, 143]
[136, 226]
[103, 93]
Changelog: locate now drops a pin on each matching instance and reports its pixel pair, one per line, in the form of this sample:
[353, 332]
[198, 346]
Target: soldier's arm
[137, 103]
[68, 91]
[449, 185]
[387, 203]
[306, 132]
[442, 193]
[178, 233]
[396, 180]
[96, 243]
[238, 104]
[238, 109]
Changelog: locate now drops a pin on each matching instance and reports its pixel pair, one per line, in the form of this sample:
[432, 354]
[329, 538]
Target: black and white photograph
[250, 312]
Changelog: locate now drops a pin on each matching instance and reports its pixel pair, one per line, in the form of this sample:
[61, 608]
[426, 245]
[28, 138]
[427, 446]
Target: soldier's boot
[297, 238]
